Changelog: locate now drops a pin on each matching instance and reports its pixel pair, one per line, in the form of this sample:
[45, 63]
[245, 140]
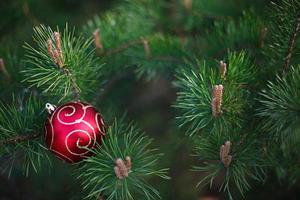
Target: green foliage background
[148, 92]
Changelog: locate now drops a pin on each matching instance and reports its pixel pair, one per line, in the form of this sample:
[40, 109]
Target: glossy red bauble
[72, 130]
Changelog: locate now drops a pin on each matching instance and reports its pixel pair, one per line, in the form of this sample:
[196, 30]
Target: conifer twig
[19, 139]
[75, 88]
[29, 15]
[123, 47]
[57, 57]
[291, 44]
[147, 50]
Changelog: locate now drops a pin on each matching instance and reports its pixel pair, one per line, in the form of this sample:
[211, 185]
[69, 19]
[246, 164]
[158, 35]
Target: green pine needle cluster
[17, 121]
[245, 165]
[195, 95]
[79, 67]
[119, 51]
[281, 105]
[122, 140]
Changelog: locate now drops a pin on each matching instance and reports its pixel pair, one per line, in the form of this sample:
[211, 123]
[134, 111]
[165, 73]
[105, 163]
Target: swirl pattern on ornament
[79, 142]
[73, 130]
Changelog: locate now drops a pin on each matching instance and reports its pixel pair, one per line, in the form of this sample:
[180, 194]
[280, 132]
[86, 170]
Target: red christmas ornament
[72, 129]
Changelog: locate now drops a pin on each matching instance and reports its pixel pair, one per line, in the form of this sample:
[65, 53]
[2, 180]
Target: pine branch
[20, 126]
[122, 47]
[204, 108]
[64, 67]
[121, 166]
[19, 139]
[74, 86]
[291, 44]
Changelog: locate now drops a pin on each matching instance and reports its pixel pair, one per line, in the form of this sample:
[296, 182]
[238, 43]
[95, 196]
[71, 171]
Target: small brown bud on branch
[122, 168]
[50, 50]
[118, 172]
[97, 41]
[223, 69]
[188, 4]
[128, 163]
[58, 45]
[146, 47]
[216, 101]
[224, 154]
[56, 54]
[3, 69]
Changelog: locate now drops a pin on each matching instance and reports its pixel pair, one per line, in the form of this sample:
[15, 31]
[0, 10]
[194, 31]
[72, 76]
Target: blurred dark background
[149, 103]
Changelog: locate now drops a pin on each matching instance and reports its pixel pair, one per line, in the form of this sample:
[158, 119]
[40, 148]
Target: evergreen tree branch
[147, 50]
[74, 86]
[292, 41]
[122, 47]
[64, 67]
[19, 139]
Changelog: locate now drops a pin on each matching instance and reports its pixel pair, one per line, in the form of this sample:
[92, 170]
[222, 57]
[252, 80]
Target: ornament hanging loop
[50, 108]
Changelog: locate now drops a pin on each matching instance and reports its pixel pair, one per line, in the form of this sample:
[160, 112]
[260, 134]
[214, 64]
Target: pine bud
[224, 154]
[58, 45]
[216, 102]
[128, 163]
[2, 65]
[122, 167]
[3, 68]
[223, 69]
[188, 4]
[55, 54]
[97, 41]
[57, 58]
[118, 172]
[50, 50]
[146, 47]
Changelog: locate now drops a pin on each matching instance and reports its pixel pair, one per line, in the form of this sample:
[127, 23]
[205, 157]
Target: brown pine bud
[224, 154]
[128, 163]
[216, 102]
[3, 69]
[188, 4]
[146, 47]
[223, 69]
[58, 45]
[118, 172]
[57, 58]
[50, 50]
[121, 165]
[97, 41]
[2, 65]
